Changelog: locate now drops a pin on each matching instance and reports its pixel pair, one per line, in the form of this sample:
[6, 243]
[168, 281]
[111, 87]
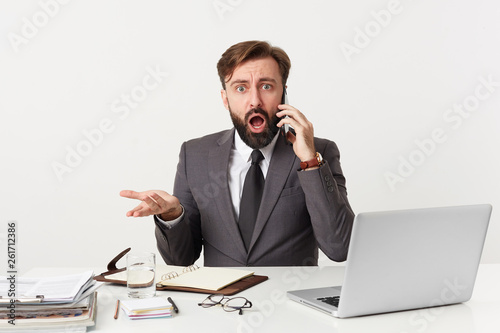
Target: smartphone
[286, 128]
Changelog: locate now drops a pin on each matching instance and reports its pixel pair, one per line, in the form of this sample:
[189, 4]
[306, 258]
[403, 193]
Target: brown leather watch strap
[315, 162]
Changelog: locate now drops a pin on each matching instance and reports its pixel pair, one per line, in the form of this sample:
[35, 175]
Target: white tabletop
[272, 311]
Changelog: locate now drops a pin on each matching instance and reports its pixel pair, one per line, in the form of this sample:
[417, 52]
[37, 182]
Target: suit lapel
[281, 165]
[218, 160]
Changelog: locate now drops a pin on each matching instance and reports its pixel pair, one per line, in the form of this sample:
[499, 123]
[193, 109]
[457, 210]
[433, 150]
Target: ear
[223, 95]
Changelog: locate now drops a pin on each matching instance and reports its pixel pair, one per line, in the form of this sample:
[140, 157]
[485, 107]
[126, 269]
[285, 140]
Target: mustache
[256, 111]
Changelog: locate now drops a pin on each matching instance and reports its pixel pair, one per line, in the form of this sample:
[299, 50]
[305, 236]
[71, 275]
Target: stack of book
[144, 308]
[48, 304]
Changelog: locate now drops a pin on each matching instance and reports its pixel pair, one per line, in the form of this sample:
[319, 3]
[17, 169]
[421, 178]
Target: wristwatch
[315, 162]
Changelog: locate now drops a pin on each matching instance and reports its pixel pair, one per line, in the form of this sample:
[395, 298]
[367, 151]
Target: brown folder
[231, 289]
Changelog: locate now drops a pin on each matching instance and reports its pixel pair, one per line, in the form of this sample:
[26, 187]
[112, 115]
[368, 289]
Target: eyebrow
[264, 79]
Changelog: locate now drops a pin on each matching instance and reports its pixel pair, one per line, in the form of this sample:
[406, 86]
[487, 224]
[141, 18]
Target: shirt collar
[246, 151]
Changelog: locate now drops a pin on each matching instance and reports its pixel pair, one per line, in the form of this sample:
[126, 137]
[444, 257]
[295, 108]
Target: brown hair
[241, 52]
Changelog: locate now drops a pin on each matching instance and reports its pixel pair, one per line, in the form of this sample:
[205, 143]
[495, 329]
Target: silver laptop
[406, 259]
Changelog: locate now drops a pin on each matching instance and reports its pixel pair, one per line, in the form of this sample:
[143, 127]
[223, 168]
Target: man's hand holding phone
[154, 202]
[303, 140]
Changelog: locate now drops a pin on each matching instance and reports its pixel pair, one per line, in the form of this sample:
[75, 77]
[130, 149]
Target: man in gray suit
[304, 198]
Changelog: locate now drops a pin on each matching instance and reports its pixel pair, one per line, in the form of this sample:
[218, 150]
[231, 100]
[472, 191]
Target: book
[56, 320]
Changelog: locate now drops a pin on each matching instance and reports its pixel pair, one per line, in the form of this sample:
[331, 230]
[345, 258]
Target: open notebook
[213, 278]
[227, 281]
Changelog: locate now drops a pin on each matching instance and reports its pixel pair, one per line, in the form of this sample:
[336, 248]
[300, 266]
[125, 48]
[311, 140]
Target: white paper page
[212, 278]
[60, 287]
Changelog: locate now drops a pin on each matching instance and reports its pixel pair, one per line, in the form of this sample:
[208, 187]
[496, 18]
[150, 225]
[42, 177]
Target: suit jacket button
[330, 188]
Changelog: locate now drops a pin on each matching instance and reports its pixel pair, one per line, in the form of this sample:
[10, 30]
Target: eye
[266, 86]
[240, 89]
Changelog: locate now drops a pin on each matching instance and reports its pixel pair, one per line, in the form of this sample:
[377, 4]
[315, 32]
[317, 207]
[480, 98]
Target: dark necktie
[251, 197]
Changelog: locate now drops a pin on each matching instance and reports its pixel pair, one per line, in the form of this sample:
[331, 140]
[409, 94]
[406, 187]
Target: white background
[377, 77]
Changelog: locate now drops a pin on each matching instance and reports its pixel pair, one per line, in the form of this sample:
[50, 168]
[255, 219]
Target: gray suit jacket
[300, 210]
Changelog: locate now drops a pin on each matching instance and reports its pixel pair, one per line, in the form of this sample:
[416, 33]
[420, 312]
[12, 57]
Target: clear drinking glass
[141, 274]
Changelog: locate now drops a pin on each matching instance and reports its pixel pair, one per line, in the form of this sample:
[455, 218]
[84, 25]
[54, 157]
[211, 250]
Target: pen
[117, 309]
[176, 309]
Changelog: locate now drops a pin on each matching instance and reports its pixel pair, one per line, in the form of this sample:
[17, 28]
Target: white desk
[272, 311]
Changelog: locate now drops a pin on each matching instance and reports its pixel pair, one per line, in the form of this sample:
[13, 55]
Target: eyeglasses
[228, 304]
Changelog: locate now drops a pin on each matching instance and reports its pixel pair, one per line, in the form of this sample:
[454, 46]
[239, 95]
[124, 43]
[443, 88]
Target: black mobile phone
[286, 128]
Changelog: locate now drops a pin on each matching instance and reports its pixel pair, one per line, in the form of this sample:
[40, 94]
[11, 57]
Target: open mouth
[257, 123]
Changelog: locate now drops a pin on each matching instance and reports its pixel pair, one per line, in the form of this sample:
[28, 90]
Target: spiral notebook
[211, 278]
[208, 280]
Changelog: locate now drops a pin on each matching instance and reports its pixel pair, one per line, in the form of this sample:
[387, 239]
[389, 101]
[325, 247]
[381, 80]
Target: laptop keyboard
[332, 300]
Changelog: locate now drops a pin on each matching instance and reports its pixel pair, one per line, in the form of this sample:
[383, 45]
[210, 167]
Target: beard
[256, 140]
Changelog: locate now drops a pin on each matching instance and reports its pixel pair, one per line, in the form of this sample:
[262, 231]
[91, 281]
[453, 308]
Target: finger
[133, 212]
[295, 121]
[294, 114]
[152, 204]
[286, 107]
[130, 194]
[285, 120]
[298, 121]
[142, 213]
[143, 210]
[297, 127]
[159, 200]
[283, 113]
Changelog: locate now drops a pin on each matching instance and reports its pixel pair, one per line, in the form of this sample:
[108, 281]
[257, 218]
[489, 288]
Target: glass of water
[141, 275]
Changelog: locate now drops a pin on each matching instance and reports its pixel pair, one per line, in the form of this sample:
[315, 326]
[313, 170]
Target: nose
[255, 99]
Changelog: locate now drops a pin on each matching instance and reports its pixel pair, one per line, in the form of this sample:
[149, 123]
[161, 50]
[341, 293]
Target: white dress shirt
[239, 163]
[240, 160]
